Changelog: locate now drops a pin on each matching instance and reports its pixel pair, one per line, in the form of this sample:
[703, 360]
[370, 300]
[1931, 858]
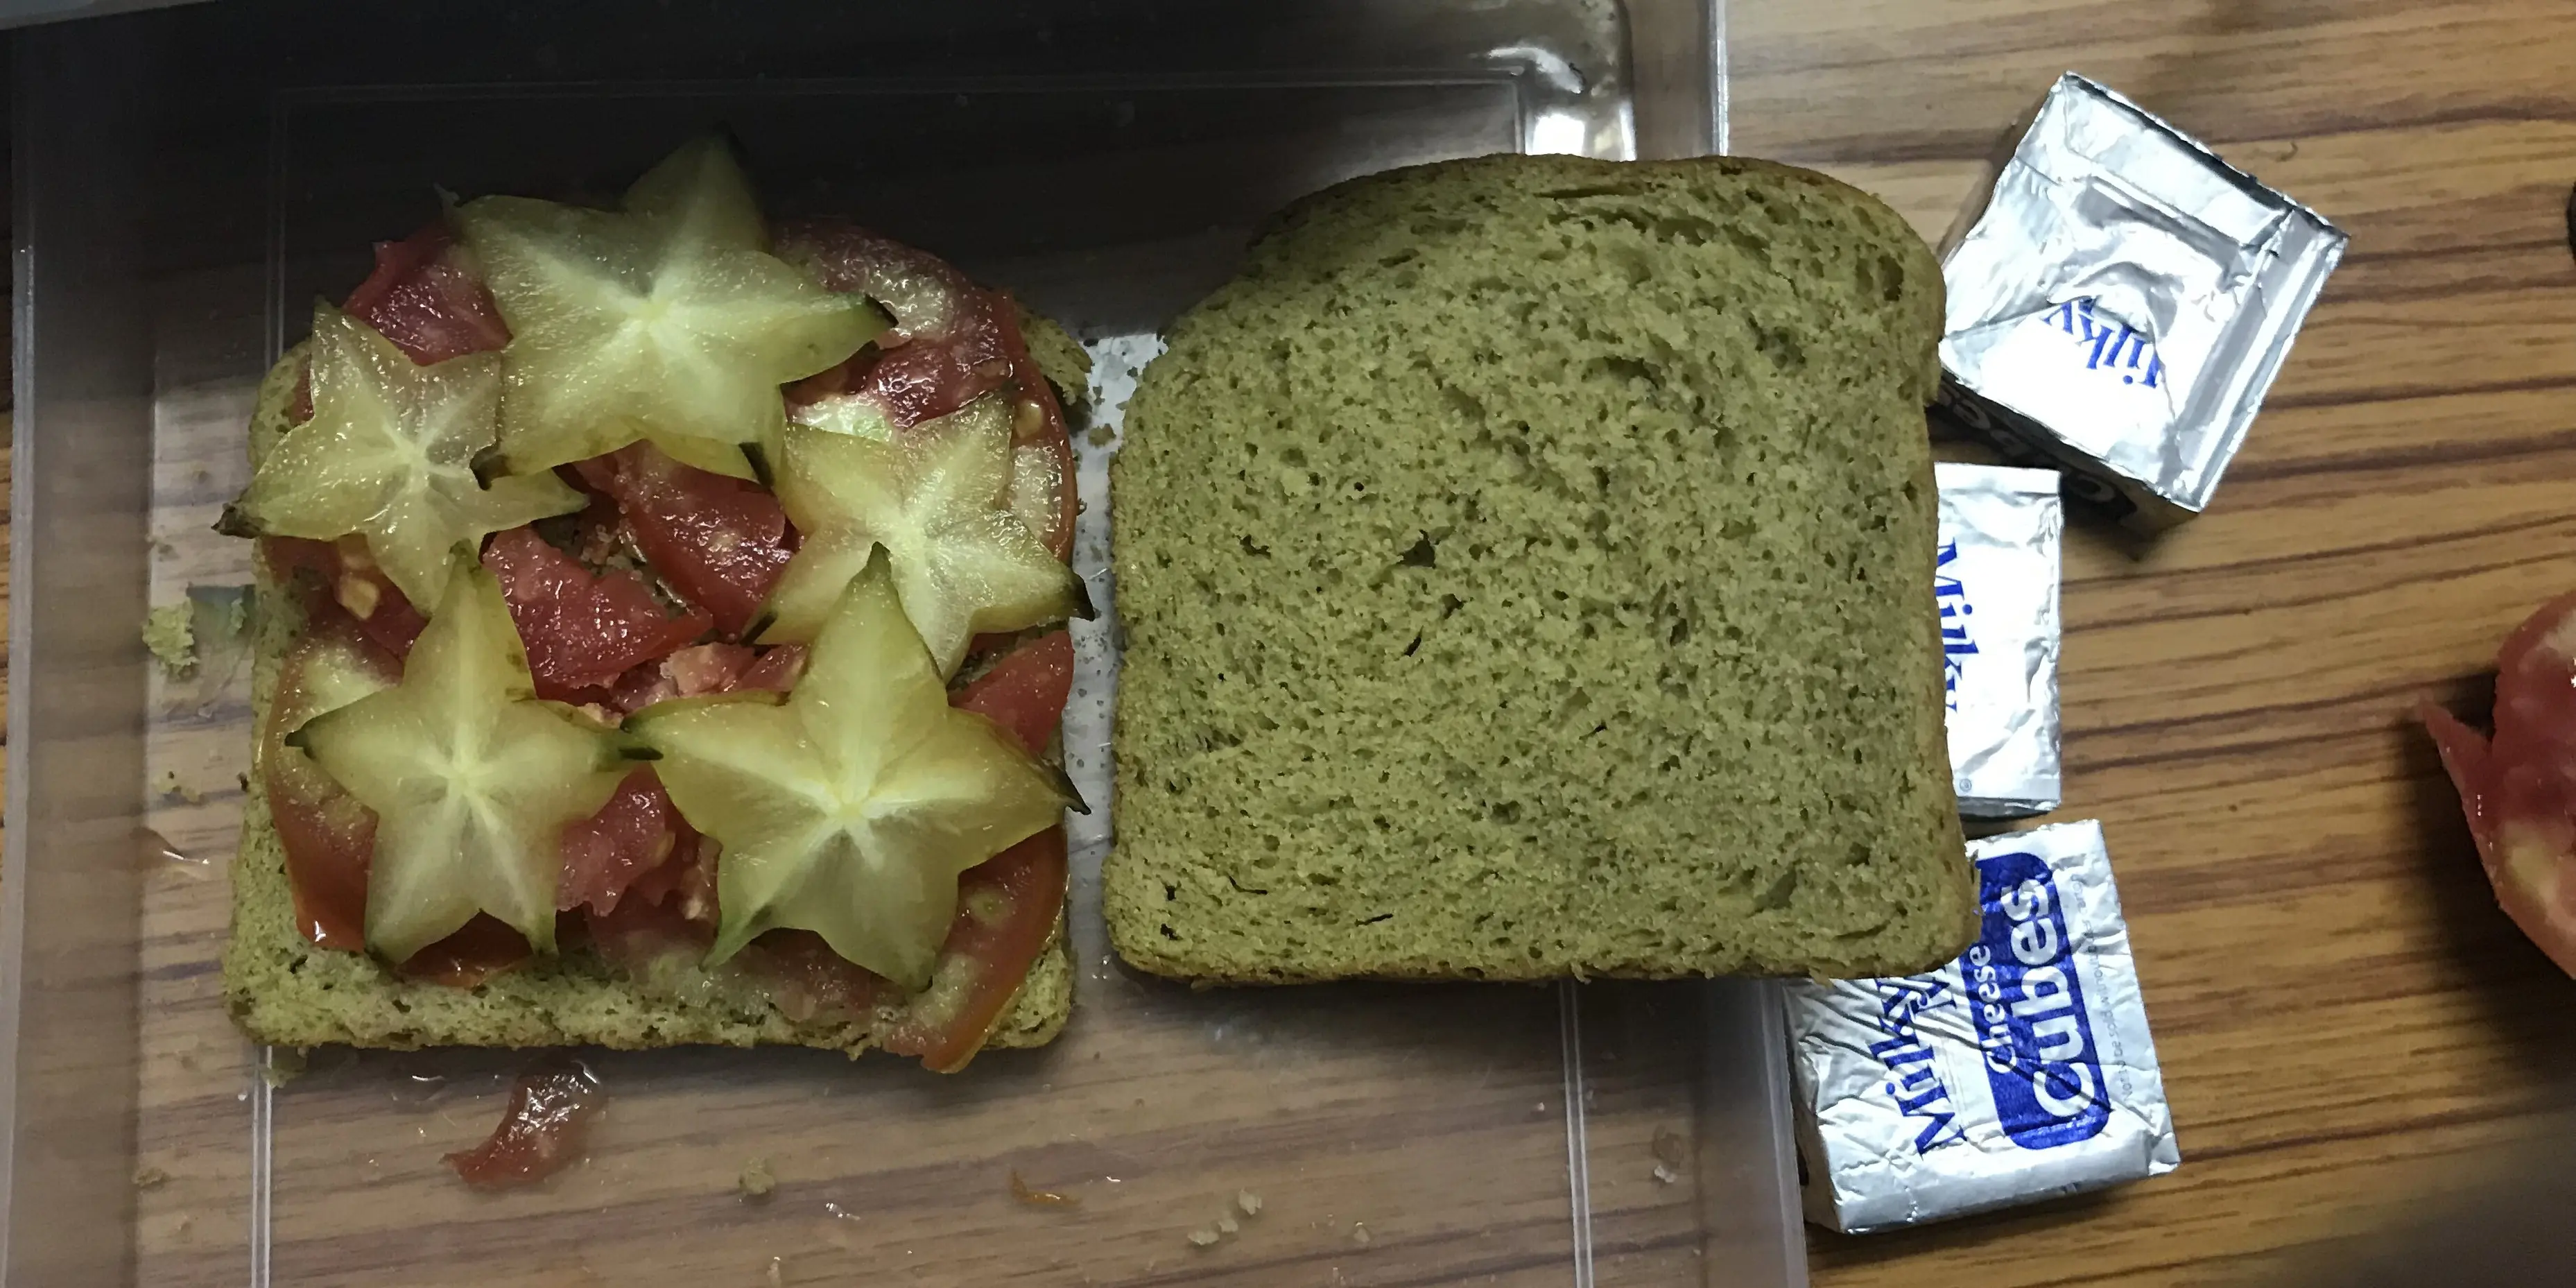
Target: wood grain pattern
[2349, 1029]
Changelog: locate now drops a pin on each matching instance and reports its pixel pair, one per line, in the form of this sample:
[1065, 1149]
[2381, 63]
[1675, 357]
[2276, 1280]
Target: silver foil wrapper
[2022, 1071]
[1996, 579]
[2120, 301]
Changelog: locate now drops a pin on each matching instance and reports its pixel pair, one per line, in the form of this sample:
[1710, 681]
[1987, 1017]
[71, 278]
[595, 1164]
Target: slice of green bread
[1526, 570]
[282, 989]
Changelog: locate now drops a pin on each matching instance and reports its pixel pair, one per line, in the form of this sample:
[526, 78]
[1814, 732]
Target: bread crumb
[170, 632]
[756, 1180]
[1204, 1237]
[776, 1273]
[282, 1066]
[1100, 436]
[222, 611]
[1671, 1152]
[1039, 1198]
[1670, 1148]
[1360, 1234]
[146, 1178]
[1249, 1202]
[1228, 1225]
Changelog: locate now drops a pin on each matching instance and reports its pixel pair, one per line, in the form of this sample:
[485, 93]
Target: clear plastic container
[189, 179]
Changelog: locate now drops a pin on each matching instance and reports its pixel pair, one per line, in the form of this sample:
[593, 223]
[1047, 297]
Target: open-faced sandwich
[661, 642]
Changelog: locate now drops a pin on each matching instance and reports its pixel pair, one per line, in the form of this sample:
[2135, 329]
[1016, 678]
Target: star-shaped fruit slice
[471, 777]
[937, 498]
[388, 455]
[667, 319]
[850, 808]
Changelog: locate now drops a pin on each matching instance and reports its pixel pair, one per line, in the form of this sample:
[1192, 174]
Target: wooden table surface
[2348, 1027]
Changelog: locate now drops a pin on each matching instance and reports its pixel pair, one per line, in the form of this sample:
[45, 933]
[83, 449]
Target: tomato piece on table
[2518, 786]
[422, 297]
[1025, 692]
[1006, 913]
[720, 542]
[582, 630]
[543, 1129]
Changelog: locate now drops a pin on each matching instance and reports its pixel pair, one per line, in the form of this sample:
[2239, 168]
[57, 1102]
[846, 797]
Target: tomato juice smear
[606, 639]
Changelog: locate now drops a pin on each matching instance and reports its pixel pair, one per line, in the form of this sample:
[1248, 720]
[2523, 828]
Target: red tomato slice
[720, 542]
[1025, 692]
[778, 670]
[958, 343]
[636, 840]
[582, 631]
[424, 299]
[344, 583]
[806, 979]
[479, 950]
[708, 668]
[541, 1131]
[793, 969]
[635, 832]
[641, 687]
[328, 836]
[2519, 787]
[684, 888]
[948, 349]
[651, 923]
[1006, 912]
